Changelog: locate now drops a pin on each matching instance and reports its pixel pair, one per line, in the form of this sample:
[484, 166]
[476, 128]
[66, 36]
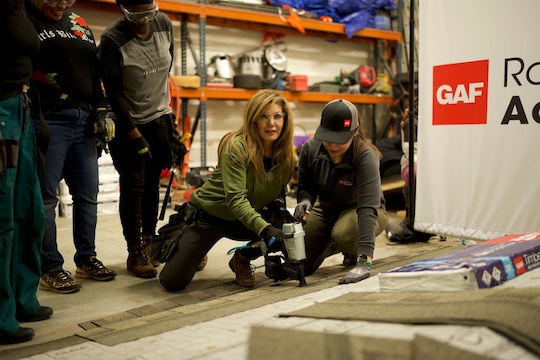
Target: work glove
[143, 148]
[301, 210]
[104, 128]
[178, 147]
[361, 271]
[273, 237]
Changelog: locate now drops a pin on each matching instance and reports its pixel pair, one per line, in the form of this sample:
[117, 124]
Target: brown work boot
[242, 268]
[149, 249]
[138, 262]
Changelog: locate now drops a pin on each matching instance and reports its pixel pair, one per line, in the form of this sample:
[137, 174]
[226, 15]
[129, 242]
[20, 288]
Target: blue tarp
[355, 14]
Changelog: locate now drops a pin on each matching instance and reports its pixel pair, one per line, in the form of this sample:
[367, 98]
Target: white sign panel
[479, 118]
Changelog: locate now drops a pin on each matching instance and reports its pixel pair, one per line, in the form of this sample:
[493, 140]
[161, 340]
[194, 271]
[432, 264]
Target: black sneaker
[94, 269]
[59, 281]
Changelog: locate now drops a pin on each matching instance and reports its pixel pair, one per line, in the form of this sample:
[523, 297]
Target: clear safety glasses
[139, 16]
[277, 117]
[59, 3]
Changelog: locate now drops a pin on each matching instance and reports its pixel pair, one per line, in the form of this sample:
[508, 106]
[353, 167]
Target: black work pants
[139, 180]
[196, 241]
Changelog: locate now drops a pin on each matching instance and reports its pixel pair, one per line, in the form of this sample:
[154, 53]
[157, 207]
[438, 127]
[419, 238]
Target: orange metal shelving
[225, 16]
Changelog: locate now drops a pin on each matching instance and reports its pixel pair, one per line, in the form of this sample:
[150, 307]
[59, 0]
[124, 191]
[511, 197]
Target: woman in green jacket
[255, 164]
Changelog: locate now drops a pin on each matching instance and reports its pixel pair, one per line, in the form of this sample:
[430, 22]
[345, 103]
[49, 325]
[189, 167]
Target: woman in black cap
[339, 192]
[136, 54]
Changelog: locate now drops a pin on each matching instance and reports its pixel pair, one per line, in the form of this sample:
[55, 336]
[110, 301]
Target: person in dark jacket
[21, 215]
[136, 53]
[255, 165]
[339, 195]
[65, 72]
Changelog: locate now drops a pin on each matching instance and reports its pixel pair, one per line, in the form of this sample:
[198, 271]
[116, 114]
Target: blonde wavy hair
[283, 152]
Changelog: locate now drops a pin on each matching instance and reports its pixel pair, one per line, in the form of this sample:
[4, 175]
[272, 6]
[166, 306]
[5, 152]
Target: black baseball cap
[339, 119]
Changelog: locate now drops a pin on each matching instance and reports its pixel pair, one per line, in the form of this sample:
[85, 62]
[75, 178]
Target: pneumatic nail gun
[290, 265]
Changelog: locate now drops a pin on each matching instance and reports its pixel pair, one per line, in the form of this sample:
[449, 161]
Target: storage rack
[264, 18]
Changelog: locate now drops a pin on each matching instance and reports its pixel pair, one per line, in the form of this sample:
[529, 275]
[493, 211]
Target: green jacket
[234, 193]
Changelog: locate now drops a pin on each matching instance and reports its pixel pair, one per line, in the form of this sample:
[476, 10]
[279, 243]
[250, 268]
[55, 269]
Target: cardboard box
[479, 266]
[188, 81]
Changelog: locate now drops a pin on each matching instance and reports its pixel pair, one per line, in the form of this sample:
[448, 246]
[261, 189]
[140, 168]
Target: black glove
[104, 127]
[178, 147]
[301, 209]
[142, 146]
[273, 237]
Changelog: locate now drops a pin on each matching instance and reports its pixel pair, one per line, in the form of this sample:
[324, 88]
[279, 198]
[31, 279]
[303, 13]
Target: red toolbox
[297, 82]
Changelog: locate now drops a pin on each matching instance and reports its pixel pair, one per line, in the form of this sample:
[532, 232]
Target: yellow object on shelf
[188, 81]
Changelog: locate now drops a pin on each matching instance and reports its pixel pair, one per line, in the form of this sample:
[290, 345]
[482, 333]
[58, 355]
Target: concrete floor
[99, 299]
[124, 315]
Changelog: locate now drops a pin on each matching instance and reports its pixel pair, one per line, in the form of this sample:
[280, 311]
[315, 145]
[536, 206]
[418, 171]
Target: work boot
[349, 259]
[138, 262]
[20, 335]
[242, 268]
[149, 250]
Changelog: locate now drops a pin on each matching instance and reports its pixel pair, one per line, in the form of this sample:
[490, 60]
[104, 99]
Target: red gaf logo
[347, 123]
[460, 93]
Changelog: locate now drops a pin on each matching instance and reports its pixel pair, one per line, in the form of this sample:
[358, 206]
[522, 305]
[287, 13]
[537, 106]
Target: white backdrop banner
[479, 118]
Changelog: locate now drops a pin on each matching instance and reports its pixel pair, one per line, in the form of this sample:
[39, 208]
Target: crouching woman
[339, 192]
[255, 164]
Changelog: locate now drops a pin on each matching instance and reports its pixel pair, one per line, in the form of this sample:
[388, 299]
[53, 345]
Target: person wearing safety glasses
[65, 72]
[136, 53]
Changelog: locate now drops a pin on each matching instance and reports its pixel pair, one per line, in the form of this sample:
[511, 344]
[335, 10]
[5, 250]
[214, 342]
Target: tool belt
[165, 243]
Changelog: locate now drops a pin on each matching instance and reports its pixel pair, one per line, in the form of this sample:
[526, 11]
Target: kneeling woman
[255, 164]
[339, 192]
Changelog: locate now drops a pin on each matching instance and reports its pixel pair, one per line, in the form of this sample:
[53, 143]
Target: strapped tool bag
[164, 244]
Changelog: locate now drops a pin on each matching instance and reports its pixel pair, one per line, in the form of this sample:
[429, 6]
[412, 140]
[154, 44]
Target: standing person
[136, 53]
[255, 164]
[339, 192]
[404, 232]
[21, 214]
[71, 98]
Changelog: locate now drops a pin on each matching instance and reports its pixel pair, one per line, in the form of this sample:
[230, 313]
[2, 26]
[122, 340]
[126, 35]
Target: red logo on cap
[347, 123]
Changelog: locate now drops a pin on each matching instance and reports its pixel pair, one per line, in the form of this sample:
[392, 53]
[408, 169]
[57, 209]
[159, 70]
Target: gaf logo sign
[460, 93]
